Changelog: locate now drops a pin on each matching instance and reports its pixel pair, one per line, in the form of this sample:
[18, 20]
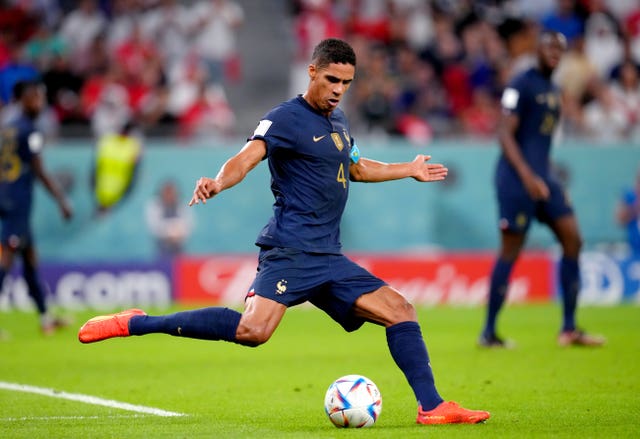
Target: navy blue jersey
[536, 101]
[309, 156]
[20, 141]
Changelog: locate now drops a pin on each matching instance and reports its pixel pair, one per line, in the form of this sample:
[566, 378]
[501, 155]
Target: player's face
[327, 85]
[33, 100]
[551, 49]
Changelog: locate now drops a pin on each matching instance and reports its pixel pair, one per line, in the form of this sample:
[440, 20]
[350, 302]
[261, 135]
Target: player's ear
[312, 70]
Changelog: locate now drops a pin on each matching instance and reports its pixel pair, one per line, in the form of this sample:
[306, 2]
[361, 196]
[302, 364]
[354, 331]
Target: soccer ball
[353, 401]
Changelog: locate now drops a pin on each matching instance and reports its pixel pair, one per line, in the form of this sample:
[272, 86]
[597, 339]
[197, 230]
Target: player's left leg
[566, 230]
[390, 309]
[48, 323]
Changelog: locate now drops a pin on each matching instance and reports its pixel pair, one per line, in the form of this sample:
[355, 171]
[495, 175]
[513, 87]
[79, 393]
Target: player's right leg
[252, 328]
[512, 243]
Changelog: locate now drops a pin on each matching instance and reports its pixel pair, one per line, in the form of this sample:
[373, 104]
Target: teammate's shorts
[518, 209]
[329, 281]
[16, 231]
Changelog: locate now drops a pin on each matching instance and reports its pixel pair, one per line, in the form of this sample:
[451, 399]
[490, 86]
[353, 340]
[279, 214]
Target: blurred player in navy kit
[527, 190]
[20, 166]
[312, 159]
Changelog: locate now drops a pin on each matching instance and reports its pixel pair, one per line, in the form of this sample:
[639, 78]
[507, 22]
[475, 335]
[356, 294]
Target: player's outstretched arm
[367, 170]
[52, 187]
[231, 173]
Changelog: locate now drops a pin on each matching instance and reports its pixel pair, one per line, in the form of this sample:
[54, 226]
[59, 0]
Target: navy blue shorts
[329, 281]
[518, 209]
[16, 231]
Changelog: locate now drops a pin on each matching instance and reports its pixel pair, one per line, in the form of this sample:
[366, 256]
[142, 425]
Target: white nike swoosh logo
[317, 139]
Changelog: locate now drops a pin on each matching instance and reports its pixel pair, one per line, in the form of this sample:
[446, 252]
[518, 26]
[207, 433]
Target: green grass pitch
[277, 390]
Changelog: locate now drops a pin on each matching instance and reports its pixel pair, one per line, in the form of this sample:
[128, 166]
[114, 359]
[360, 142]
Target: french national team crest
[337, 140]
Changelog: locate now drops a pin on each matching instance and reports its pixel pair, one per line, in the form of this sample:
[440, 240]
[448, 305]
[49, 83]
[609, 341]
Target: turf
[276, 390]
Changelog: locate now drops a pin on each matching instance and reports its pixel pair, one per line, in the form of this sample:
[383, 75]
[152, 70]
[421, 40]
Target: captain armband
[354, 155]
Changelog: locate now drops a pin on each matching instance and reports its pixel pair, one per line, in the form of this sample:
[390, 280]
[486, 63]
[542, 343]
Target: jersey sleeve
[277, 130]
[514, 96]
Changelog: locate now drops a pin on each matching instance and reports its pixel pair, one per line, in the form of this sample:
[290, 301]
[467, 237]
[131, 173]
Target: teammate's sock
[497, 293]
[410, 354]
[35, 289]
[570, 283]
[213, 323]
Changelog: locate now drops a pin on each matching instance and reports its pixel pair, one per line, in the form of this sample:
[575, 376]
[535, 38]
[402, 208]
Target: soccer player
[312, 159]
[20, 165]
[526, 190]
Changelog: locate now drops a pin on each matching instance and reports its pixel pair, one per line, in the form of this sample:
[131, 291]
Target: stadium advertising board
[95, 286]
[609, 279]
[449, 278]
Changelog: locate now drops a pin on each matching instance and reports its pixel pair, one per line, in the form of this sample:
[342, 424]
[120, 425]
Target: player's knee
[572, 247]
[403, 311]
[252, 336]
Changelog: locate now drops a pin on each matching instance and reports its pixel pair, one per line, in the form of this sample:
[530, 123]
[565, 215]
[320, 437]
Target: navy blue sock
[497, 293]
[35, 288]
[213, 323]
[570, 283]
[410, 354]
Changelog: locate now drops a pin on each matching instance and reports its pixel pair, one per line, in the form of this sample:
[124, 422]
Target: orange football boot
[112, 325]
[579, 338]
[450, 412]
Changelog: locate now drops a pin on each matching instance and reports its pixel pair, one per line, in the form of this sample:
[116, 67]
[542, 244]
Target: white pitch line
[64, 418]
[87, 399]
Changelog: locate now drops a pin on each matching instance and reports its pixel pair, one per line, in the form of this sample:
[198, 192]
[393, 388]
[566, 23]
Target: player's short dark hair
[21, 87]
[333, 50]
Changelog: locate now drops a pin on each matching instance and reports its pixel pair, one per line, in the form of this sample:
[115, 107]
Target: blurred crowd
[108, 63]
[426, 68]
[437, 68]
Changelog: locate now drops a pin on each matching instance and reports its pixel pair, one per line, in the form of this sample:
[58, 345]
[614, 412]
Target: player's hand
[205, 188]
[66, 210]
[537, 188]
[425, 171]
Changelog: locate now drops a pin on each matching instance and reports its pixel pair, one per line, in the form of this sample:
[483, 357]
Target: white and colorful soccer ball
[353, 401]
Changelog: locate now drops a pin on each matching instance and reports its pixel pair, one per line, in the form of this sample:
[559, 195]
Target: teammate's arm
[372, 171]
[231, 173]
[51, 186]
[535, 186]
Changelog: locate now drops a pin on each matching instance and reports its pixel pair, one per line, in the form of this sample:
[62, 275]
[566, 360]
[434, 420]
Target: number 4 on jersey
[340, 178]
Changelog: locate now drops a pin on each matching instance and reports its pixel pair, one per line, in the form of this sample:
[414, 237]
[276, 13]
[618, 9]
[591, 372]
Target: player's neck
[313, 105]
[545, 71]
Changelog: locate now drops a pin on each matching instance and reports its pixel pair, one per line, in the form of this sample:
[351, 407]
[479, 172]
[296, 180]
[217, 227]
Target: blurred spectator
[208, 115]
[43, 47]
[169, 219]
[15, 70]
[481, 118]
[16, 22]
[576, 76]
[63, 90]
[81, 27]
[603, 118]
[117, 161]
[626, 93]
[168, 25]
[314, 22]
[603, 38]
[375, 93]
[628, 215]
[216, 24]
[632, 31]
[106, 103]
[565, 20]
[126, 14]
